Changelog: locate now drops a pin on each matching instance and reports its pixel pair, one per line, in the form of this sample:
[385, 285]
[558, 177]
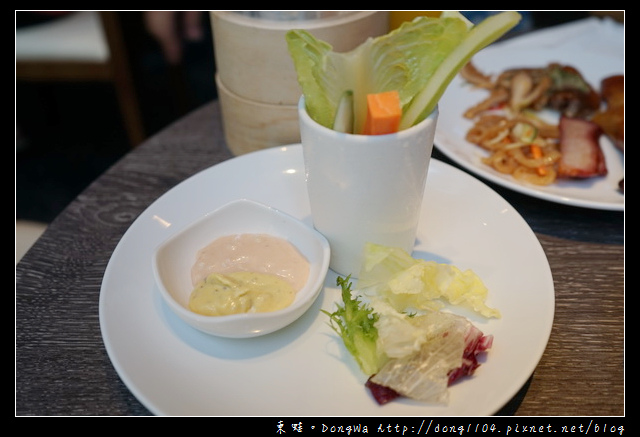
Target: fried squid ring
[489, 131]
[502, 162]
[549, 157]
[531, 176]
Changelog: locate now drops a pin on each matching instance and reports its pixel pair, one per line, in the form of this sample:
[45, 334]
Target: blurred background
[69, 132]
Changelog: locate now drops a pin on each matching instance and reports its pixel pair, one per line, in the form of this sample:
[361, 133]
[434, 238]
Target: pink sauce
[260, 253]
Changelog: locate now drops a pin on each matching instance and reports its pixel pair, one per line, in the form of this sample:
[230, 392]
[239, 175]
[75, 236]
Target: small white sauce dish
[174, 258]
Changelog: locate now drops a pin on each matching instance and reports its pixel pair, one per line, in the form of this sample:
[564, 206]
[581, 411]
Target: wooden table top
[62, 367]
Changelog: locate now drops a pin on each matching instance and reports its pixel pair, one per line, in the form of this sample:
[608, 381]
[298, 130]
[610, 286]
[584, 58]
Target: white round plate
[303, 369]
[596, 193]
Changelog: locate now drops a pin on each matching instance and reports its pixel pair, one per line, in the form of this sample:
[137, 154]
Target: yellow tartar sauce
[240, 292]
[246, 273]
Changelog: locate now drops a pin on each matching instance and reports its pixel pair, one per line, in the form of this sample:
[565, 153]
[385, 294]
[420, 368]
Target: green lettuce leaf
[408, 283]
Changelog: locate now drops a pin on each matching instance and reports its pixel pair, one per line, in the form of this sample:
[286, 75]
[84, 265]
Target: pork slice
[582, 156]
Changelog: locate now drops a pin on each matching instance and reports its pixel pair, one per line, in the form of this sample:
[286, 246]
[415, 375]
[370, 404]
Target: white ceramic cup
[365, 188]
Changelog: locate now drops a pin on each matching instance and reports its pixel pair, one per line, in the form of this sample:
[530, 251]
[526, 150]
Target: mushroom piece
[524, 91]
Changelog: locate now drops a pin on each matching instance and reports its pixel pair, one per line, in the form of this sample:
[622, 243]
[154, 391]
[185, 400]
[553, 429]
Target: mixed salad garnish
[395, 326]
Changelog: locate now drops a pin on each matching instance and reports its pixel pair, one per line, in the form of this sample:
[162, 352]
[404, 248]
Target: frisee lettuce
[355, 322]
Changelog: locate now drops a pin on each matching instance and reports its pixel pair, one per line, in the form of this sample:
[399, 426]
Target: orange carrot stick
[536, 151]
[383, 113]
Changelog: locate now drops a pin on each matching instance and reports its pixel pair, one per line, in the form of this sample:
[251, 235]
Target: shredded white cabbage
[421, 373]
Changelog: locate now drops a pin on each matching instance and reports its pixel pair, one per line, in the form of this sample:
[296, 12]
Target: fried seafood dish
[611, 118]
[556, 86]
[522, 144]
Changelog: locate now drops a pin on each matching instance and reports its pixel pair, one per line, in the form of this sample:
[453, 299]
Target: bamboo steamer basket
[250, 126]
[257, 84]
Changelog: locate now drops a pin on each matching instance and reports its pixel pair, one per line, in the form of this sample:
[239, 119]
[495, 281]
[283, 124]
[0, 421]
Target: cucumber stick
[343, 121]
[478, 38]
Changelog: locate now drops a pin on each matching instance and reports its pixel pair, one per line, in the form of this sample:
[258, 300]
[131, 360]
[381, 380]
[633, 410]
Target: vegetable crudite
[418, 61]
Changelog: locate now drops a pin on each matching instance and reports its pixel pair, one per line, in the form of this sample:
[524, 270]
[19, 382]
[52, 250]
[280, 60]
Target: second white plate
[597, 193]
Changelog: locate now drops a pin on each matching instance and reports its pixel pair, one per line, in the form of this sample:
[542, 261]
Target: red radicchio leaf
[476, 343]
[380, 393]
